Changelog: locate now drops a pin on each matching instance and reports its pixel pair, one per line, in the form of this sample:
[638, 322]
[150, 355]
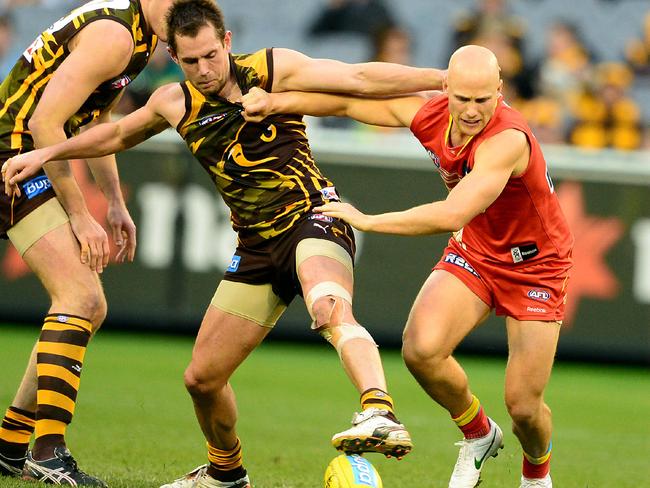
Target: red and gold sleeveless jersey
[264, 171]
[525, 222]
[23, 87]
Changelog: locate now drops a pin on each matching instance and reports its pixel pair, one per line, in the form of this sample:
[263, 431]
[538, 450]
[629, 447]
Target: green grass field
[135, 424]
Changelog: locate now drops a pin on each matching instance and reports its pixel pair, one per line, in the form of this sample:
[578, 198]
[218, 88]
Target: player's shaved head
[473, 85]
[474, 66]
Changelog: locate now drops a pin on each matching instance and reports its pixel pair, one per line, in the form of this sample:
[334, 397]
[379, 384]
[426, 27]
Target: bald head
[475, 66]
[473, 85]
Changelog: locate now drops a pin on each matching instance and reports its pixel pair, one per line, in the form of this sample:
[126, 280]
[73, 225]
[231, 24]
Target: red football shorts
[534, 292]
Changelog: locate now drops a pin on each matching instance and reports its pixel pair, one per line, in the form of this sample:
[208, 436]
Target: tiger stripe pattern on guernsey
[23, 87]
[264, 171]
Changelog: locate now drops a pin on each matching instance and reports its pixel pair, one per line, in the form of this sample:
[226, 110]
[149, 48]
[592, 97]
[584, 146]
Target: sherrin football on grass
[351, 471]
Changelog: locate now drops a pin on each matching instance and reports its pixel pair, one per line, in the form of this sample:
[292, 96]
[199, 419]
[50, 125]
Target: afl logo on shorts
[539, 295]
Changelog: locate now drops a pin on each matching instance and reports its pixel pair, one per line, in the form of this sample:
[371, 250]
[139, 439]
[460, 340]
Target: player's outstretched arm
[388, 112]
[98, 141]
[296, 71]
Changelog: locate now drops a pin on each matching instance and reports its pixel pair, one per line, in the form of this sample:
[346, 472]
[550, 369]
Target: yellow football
[351, 471]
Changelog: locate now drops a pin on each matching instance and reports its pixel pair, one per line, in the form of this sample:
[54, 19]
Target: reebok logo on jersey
[460, 262]
[523, 252]
[36, 186]
[539, 295]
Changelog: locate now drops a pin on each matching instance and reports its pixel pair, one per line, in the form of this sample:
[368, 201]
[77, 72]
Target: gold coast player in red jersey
[510, 250]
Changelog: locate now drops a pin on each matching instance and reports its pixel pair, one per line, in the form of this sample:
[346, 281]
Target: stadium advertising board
[185, 243]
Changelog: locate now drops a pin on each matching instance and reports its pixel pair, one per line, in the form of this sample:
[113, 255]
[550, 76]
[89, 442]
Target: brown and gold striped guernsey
[21, 90]
[264, 171]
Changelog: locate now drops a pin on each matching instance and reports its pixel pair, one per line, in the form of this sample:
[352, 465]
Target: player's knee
[99, 311]
[194, 383]
[327, 303]
[420, 354]
[93, 305]
[524, 410]
[199, 384]
[328, 311]
[88, 302]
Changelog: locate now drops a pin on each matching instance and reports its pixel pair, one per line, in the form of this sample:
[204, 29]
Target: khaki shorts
[34, 192]
[36, 224]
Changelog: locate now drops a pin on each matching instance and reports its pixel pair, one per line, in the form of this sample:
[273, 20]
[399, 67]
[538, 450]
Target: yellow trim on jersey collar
[197, 102]
[448, 132]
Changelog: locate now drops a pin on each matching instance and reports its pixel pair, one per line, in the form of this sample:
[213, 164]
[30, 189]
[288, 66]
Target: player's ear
[227, 40]
[172, 54]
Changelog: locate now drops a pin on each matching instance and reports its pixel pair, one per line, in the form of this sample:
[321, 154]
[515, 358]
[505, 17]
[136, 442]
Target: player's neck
[231, 90]
[456, 138]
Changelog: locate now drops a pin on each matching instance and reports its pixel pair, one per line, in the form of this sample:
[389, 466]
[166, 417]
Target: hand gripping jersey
[264, 171]
[21, 90]
[525, 223]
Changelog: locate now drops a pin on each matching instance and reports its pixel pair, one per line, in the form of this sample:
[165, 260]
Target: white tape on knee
[350, 331]
[325, 289]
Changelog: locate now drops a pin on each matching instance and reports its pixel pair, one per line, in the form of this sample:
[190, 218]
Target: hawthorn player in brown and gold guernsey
[69, 77]
[265, 172]
[21, 90]
[267, 176]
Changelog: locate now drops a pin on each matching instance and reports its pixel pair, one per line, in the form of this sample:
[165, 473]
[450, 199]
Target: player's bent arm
[90, 62]
[495, 162]
[296, 71]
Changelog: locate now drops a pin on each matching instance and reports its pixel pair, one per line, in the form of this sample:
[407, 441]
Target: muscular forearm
[365, 110]
[104, 170]
[102, 140]
[431, 218]
[60, 175]
[380, 79]
[316, 104]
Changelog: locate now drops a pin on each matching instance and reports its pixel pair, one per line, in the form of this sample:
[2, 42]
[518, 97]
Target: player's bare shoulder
[509, 147]
[95, 35]
[168, 101]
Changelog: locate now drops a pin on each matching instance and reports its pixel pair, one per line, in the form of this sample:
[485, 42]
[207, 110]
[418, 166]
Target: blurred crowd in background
[575, 87]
